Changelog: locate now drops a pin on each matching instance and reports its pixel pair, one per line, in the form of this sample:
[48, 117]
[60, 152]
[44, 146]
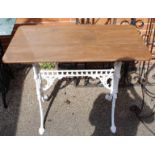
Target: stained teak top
[76, 43]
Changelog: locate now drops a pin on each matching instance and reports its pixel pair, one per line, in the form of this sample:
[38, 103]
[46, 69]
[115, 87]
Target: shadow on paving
[9, 116]
[53, 95]
[100, 115]
[126, 120]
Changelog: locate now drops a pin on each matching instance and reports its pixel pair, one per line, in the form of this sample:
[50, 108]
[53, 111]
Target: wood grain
[76, 43]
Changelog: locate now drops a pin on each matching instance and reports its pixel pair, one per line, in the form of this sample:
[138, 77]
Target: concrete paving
[72, 111]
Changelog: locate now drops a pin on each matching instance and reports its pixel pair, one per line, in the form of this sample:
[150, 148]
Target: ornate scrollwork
[51, 75]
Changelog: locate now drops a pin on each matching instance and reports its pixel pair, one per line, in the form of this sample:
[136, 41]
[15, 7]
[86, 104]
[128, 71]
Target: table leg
[114, 91]
[37, 79]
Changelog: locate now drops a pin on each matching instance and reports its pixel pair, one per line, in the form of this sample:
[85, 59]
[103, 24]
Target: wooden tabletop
[76, 43]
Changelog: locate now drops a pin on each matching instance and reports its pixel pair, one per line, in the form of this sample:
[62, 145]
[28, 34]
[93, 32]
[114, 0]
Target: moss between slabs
[47, 65]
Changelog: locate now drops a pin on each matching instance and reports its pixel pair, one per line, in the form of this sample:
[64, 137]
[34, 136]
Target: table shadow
[59, 85]
[126, 120]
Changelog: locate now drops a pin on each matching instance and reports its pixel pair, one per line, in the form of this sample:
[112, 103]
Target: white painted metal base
[37, 79]
[51, 75]
[114, 91]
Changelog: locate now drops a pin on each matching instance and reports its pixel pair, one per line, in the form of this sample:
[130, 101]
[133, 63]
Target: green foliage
[47, 65]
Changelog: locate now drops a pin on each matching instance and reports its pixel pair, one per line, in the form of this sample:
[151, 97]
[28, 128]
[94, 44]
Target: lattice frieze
[51, 75]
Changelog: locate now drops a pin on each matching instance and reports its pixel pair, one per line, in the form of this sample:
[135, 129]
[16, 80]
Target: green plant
[47, 65]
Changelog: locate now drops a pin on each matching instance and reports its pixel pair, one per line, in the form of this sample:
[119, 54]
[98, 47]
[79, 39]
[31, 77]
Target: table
[76, 43]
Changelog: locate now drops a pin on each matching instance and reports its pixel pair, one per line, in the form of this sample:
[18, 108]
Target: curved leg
[50, 82]
[37, 79]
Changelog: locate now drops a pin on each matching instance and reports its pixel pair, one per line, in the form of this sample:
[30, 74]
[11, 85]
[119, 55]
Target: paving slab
[72, 111]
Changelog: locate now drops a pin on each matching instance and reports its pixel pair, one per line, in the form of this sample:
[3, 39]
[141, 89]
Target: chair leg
[4, 99]
[6, 75]
[125, 72]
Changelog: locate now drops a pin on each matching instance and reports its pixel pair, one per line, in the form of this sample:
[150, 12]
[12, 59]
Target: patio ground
[72, 111]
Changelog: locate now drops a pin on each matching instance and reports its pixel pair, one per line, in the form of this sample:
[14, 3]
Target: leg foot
[113, 129]
[41, 131]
